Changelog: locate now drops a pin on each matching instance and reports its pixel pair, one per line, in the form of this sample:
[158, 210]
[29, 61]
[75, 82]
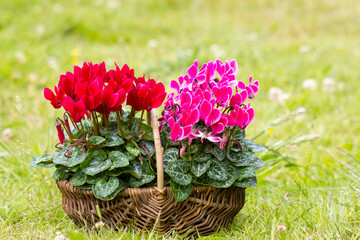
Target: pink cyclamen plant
[209, 103]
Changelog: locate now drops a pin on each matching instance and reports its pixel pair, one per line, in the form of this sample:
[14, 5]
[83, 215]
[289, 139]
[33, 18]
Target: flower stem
[83, 130]
[72, 121]
[141, 118]
[96, 126]
[132, 114]
[231, 134]
[106, 121]
[119, 124]
[68, 131]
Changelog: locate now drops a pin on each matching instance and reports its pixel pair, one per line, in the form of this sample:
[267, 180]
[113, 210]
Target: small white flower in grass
[40, 30]
[329, 84]
[277, 94]
[59, 236]
[58, 8]
[112, 4]
[304, 48]
[153, 43]
[340, 86]
[301, 111]
[99, 225]
[217, 51]
[20, 56]
[52, 63]
[310, 84]
[281, 228]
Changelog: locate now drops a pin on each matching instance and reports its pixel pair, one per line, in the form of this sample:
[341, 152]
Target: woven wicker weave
[204, 212]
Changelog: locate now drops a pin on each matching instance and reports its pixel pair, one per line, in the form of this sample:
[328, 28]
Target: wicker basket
[204, 212]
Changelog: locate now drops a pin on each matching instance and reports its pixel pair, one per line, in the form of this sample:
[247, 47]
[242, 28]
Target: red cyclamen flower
[60, 131]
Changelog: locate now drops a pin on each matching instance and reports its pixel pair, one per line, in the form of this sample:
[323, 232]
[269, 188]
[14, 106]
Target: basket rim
[127, 191]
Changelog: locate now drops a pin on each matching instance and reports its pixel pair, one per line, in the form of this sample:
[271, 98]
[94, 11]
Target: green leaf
[217, 171]
[247, 182]
[113, 195]
[96, 166]
[102, 189]
[93, 154]
[186, 157]
[246, 172]
[112, 140]
[134, 169]
[35, 162]
[257, 163]
[119, 159]
[255, 147]
[178, 171]
[133, 148]
[88, 125]
[77, 157]
[95, 178]
[78, 179]
[245, 159]
[233, 174]
[180, 192]
[170, 155]
[149, 146]
[146, 177]
[86, 186]
[201, 180]
[96, 140]
[193, 149]
[60, 174]
[202, 157]
[236, 148]
[199, 168]
[216, 151]
[239, 134]
[75, 168]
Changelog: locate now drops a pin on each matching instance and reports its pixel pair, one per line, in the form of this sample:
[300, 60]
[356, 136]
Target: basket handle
[158, 149]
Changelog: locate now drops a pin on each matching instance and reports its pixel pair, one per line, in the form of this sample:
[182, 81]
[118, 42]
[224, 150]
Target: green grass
[39, 41]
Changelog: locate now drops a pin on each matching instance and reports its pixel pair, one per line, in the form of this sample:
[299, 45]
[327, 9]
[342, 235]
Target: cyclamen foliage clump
[204, 124]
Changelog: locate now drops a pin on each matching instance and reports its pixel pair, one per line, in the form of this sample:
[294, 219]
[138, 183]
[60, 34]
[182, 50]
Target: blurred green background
[305, 54]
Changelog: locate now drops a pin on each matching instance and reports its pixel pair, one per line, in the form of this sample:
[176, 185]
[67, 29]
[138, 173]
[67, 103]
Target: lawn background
[280, 43]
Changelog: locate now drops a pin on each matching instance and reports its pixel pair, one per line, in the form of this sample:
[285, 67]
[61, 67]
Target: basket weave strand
[204, 212]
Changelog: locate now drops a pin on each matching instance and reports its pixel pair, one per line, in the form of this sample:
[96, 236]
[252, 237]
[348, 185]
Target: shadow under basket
[205, 211]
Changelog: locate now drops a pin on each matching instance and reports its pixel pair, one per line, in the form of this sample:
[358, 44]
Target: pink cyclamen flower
[77, 109]
[178, 133]
[252, 89]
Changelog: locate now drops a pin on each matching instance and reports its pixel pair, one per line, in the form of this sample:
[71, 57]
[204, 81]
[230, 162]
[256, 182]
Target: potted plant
[187, 175]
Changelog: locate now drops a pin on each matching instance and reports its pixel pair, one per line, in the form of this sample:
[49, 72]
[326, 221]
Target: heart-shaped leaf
[246, 172]
[35, 162]
[112, 140]
[242, 158]
[255, 147]
[193, 149]
[170, 155]
[77, 157]
[96, 166]
[180, 192]
[133, 148]
[93, 154]
[119, 159]
[78, 179]
[247, 182]
[95, 178]
[199, 168]
[233, 174]
[186, 157]
[96, 140]
[217, 171]
[239, 148]
[178, 170]
[102, 189]
[239, 134]
[216, 151]
[149, 146]
[60, 174]
[134, 169]
[203, 157]
[146, 177]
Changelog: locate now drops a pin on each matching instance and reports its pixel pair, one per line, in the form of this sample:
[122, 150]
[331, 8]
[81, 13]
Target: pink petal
[234, 65]
[205, 109]
[194, 117]
[214, 117]
[192, 71]
[214, 139]
[241, 85]
[175, 85]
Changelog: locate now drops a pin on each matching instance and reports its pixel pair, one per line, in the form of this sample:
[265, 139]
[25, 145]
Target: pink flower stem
[96, 126]
[119, 125]
[105, 118]
[83, 130]
[72, 121]
[238, 143]
[231, 133]
[141, 118]
[132, 114]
